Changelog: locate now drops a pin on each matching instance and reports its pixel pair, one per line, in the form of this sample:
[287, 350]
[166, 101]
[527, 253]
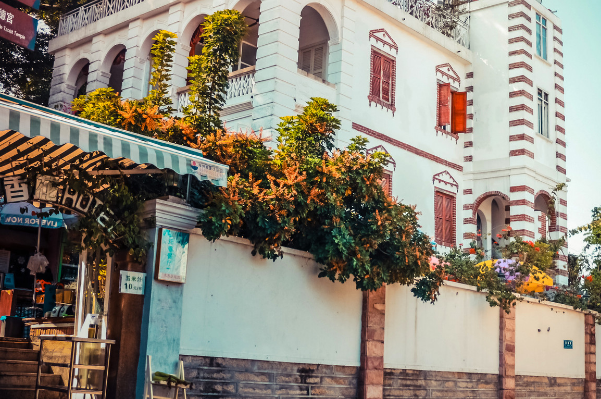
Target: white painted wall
[459, 333]
[240, 306]
[542, 353]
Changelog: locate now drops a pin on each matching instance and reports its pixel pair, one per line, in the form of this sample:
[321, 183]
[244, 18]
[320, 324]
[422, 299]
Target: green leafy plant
[222, 33]
[162, 51]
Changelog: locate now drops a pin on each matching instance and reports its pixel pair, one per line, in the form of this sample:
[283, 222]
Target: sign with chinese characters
[210, 172]
[18, 27]
[172, 256]
[568, 344]
[131, 282]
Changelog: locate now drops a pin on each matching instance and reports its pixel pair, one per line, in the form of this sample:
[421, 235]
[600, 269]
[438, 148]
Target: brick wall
[237, 378]
[527, 387]
[402, 384]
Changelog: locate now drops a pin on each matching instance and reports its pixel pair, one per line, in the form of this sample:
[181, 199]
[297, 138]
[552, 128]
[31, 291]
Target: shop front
[71, 263]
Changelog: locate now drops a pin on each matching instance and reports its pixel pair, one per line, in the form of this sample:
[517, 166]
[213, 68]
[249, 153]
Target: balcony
[455, 27]
[90, 13]
[241, 84]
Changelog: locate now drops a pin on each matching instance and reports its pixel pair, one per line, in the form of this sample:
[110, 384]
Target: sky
[582, 63]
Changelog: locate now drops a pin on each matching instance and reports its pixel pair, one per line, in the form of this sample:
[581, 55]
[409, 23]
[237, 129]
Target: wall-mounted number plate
[568, 344]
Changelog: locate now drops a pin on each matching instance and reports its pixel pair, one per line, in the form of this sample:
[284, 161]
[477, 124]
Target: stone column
[507, 355]
[133, 69]
[96, 77]
[277, 58]
[179, 72]
[61, 93]
[371, 375]
[590, 358]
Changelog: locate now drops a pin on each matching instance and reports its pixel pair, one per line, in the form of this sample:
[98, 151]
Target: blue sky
[582, 56]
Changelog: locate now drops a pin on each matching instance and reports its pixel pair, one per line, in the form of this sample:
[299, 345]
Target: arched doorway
[81, 82]
[313, 43]
[541, 208]
[491, 213]
[116, 71]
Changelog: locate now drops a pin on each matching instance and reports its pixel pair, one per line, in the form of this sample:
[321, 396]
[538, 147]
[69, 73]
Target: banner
[18, 27]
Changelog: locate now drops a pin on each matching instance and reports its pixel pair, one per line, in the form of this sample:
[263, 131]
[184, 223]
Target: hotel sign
[18, 27]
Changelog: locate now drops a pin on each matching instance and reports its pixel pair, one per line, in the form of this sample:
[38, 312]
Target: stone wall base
[402, 384]
[527, 387]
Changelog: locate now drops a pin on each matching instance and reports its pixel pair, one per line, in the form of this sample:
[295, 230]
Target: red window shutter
[448, 220]
[444, 110]
[439, 218]
[387, 182]
[459, 112]
[386, 79]
[376, 74]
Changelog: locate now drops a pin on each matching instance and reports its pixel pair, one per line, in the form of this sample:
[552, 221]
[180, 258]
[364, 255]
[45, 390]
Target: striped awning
[29, 131]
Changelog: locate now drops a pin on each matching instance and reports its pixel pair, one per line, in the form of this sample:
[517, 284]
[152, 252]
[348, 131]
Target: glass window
[543, 113]
[541, 36]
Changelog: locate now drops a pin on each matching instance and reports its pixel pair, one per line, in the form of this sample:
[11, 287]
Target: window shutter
[459, 112]
[318, 61]
[448, 220]
[386, 79]
[387, 182]
[306, 62]
[444, 110]
[376, 72]
[439, 218]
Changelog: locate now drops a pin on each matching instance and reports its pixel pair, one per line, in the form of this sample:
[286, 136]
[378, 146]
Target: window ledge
[453, 135]
[378, 101]
[316, 78]
[538, 135]
[542, 59]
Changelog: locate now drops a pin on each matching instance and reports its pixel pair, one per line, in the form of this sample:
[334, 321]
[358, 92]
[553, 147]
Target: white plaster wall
[239, 306]
[542, 353]
[458, 333]
[597, 338]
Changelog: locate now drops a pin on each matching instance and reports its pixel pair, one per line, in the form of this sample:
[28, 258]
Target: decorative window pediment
[383, 37]
[380, 148]
[445, 180]
[447, 74]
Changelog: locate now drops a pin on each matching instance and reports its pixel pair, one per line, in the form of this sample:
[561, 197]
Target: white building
[390, 69]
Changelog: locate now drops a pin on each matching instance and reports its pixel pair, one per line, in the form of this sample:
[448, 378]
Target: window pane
[538, 39]
[544, 44]
[540, 117]
[537, 17]
[544, 22]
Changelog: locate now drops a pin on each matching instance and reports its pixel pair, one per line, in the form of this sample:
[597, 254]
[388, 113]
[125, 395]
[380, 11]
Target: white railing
[91, 13]
[241, 83]
[455, 27]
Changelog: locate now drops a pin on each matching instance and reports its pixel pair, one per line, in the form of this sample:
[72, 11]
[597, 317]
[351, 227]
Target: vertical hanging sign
[18, 27]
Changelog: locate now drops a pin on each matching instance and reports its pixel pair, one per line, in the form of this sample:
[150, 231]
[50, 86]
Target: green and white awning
[71, 136]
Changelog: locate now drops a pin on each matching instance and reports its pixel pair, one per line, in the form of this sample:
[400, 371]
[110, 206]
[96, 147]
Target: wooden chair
[165, 390]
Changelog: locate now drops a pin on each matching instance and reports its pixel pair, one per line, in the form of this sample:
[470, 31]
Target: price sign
[18, 27]
[131, 282]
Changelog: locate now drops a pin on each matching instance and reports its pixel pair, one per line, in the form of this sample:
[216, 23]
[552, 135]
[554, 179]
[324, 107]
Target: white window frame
[241, 65]
[541, 36]
[543, 112]
[312, 48]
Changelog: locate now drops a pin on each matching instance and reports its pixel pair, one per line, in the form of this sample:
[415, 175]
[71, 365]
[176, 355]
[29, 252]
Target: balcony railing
[241, 83]
[91, 13]
[455, 27]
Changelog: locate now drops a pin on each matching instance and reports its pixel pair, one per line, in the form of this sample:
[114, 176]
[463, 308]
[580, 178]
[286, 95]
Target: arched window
[81, 83]
[313, 43]
[196, 43]
[248, 46]
[116, 79]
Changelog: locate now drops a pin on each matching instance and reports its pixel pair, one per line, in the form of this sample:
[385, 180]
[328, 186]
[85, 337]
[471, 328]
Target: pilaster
[507, 354]
[371, 375]
[179, 72]
[133, 69]
[61, 93]
[97, 78]
[522, 214]
[590, 358]
[277, 60]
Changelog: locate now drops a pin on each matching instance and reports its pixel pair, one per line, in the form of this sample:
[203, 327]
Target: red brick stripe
[520, 39]
[468, 158]
[522, 233]
[468, 144]
[406, 147]
[560, 169]
[559, 88]
[555, 50]
[467, 191]
[562, 215]
[520, 137]
[520, 14]
[519, 93]
[469, 89]
[469, 75]
[519, 2]
[559, 64]
[520, 152]
[521, 107]
[470, 103]
[520, 79]
[560, 116]
[519, 189]
[561, 142]
[469, 130]
[520, 27]
[560, 156]
[469, 221]
[558, 101]
[520, 52]
[563, 202]
[557, 40]
[521, 218]
[560, 129]
[557, 28]
[468, 207]
[521, 122]
[522, 202]
[469, 236]
[521, 64]
[558, 76]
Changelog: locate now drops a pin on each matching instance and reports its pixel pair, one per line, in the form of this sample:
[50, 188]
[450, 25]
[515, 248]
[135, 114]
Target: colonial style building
[470, 107]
